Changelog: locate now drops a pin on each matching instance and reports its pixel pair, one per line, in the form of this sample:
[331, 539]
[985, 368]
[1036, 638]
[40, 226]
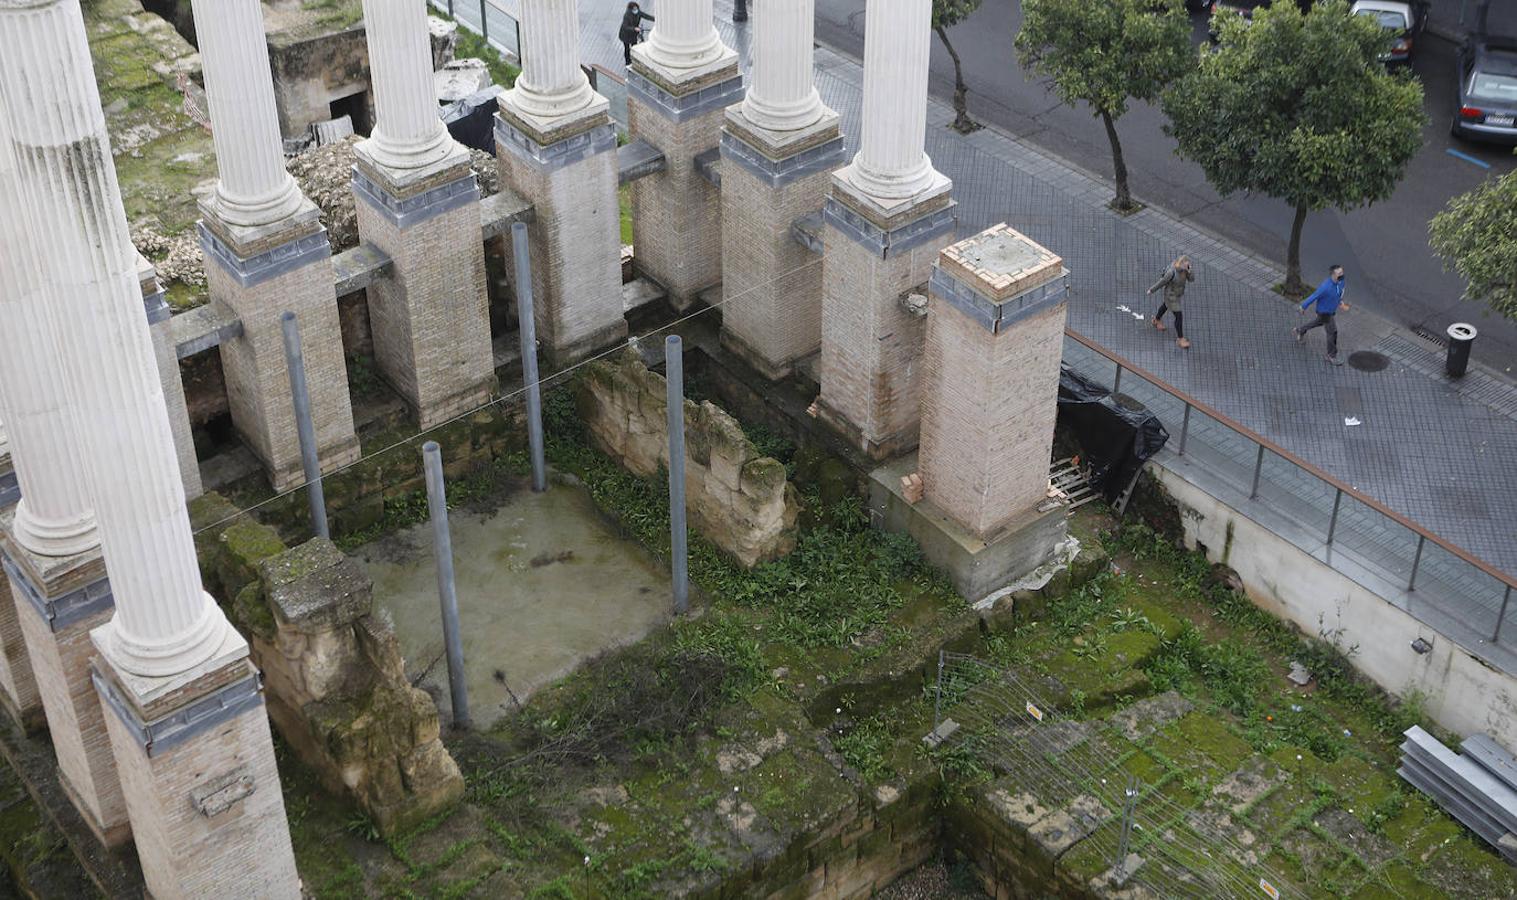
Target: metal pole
[450, 9]
[937, 696]
[1501, 616]
[1184, 429]
[1411, 583]
[675, 376]
[1129, 808]
[484, 23]
[1258, 467]
[1332, 524]
[527, 327]
[304, 428]
[1117, 384]
[442, 540]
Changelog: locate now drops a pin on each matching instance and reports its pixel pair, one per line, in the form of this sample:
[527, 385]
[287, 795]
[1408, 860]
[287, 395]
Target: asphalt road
[1392, 272]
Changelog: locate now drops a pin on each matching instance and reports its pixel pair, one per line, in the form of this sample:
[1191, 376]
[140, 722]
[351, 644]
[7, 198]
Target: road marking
[1467, 158]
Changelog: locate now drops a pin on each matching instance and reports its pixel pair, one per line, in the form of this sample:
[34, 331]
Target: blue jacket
[1327, 297]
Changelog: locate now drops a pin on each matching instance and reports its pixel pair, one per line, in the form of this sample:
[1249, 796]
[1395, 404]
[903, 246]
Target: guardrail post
[305, 429]
[674, 375]
[1117, 384]
[484, 22]
[1332, 524]
[937, 695]
[1501, 616]
[1253, 492]
[527, 328]
[1184, 428]
[1411, 583]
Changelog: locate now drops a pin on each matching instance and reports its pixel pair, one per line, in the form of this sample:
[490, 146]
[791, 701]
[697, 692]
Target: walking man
[1328, 299]
[1173, 281]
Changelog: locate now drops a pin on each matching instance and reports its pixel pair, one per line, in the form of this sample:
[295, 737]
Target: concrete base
[976, 567]
[567, 170]
[197, 770]
[57, 602]
[772, 285]
[430, 319]
[678, 213]
[260, 274]
[871, 371]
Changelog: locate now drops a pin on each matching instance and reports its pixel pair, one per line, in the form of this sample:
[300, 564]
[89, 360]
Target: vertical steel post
[1253, 492]
[442, 540]
[527, 327]
[1332, 524]
[1411, 583]
[484, 21]
[1116, 385]
[1501, 616]
[674, 374]
[1129, 810]
[450, 9]
[1184, 428]
[937, 696]
[305, 429]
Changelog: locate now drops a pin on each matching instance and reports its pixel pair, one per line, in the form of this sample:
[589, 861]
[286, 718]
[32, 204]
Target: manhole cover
[1368, 360]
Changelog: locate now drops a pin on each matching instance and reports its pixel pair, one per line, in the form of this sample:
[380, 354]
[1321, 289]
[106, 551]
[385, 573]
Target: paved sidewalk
[1441, 453]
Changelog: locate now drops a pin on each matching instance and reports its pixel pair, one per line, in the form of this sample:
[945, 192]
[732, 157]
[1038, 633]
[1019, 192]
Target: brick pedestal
[57, 601]
[567, 168]
[677, 214]
[995, 329]
[166, 356]
[18, 684]
[871, 342]
[198, 774]
[771, 283]
[430, 318]
[260, 273]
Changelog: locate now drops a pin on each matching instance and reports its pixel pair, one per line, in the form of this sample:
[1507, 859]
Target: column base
[567, 169]
[57, 602]
[197, 771]
[677, 213]
[260, 273]
[430, 318]
[18, 684]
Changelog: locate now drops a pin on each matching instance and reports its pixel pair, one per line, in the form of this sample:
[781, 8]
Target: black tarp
[471, 120]
[1115, 436]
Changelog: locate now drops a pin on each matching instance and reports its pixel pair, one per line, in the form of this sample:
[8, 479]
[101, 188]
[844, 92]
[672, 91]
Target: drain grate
[1427, 334]
[1368, 360]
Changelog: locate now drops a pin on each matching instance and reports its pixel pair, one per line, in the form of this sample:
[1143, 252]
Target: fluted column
[892, 163]
[55, 516]
[551, 83]
[408, 133]
[782, 95]
[254, 188]
[164, 623]
[684, 35]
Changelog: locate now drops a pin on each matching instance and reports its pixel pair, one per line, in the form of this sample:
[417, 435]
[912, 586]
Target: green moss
[1202, 743]
[250, 612]
[624, 206]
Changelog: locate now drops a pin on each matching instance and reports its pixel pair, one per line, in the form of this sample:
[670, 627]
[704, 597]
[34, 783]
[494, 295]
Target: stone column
[678, 88]
[267, 253]
[417, 200]
[557, 148]
[779, 147]
[166, 357]
[888, 214]
[49, 543]
[185, 717]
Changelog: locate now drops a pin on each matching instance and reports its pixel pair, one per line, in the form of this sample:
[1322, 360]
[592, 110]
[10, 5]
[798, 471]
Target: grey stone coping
[889, 243]
[204, 714]
[64, 610]
[498, 211]
[677, 109]
[638, 159]
[807, 231]
[823, 157]
[410, 211]
[10, 489]
[270, 264]
[708, 165]
[156, 307]
[558, 154]
[996, 316]
[203, 328]
[358, 267]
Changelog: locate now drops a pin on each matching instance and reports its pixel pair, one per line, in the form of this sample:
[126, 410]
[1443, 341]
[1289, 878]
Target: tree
[1298, 107]
[945, 15]
[1105, 54]
[1476, 235]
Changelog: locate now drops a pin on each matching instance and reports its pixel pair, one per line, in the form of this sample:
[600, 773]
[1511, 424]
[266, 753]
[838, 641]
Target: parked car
[1244, 8]
[1402, 19]
[1486, 92]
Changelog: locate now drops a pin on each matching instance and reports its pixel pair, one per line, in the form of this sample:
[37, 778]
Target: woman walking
[632, 29]
[1173, 281]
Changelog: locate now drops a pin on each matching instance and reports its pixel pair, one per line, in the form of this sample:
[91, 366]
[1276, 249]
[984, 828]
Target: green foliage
[948, 13]
[864, 747]
[1105, 53]
[472, 46]
[1476, 236]
[1299, 108]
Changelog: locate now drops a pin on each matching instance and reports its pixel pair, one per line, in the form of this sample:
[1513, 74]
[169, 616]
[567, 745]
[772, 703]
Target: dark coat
[631, 22]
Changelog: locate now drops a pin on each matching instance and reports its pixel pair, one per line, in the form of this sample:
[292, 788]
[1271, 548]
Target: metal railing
[487, 19]
[1353, 533]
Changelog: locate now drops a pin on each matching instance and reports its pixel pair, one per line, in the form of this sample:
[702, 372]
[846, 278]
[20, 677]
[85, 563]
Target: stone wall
[335, 679]
[737, 498]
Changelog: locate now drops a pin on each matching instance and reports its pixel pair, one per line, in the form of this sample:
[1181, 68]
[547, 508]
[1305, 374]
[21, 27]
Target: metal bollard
[442, 540]
[528, 330]
[305, 429]
[674, 373]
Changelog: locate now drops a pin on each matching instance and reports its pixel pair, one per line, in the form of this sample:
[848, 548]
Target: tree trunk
[961, 121]
[1294, 286]
[1123, 202]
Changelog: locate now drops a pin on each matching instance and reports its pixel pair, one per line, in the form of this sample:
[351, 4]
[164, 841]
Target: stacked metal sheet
[1479, 788]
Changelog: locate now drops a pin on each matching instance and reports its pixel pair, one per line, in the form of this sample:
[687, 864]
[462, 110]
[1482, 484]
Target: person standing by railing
[1328, 298]
[631, 31]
